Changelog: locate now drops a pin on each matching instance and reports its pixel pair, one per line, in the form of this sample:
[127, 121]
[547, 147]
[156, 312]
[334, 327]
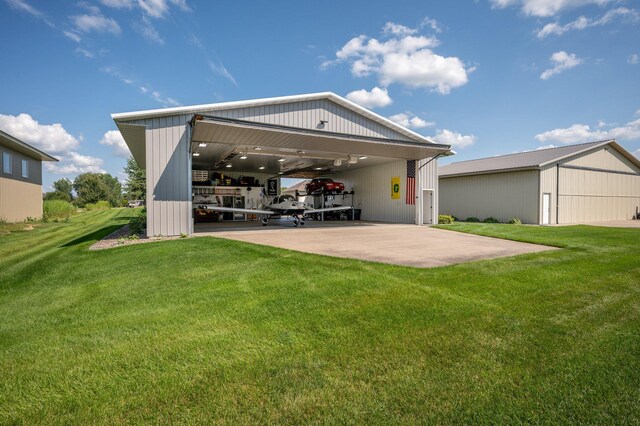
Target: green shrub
[57, 210]
[491, 219]
[515, 221]
[472, 219]
[99, 205]
[138, 225]
[445, 219]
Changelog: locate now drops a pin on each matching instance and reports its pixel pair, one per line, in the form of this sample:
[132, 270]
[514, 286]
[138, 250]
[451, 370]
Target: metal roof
[16, 144]
[527, 160]
[195, 109]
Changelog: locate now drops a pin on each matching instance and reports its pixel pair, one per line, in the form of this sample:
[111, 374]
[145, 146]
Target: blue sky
[488, 76]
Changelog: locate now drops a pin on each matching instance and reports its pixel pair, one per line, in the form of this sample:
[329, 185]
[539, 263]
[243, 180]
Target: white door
[546, 208]
[427, 207]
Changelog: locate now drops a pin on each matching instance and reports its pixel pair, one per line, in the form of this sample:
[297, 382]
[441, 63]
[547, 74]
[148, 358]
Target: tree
[94, 187]
[61, 190]
[136, 185]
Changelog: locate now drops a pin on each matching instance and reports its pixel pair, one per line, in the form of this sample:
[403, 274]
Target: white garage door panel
[592, 196]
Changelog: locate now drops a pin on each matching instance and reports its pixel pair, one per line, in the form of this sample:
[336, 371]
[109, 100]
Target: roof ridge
[532, 151]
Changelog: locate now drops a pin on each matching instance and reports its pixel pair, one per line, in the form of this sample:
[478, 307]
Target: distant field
[204, 330]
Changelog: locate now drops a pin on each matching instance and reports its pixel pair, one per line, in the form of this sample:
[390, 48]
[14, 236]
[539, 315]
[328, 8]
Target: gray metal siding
[372, 186]
[35, 167]
[307, 115]
[168, 174]
[500, 195]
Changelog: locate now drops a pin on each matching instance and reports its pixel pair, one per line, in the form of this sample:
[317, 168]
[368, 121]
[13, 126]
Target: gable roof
[24, 148]
[193, 109]
[527, 160]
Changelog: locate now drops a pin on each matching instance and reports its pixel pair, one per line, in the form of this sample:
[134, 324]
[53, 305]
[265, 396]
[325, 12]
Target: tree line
[89, 188]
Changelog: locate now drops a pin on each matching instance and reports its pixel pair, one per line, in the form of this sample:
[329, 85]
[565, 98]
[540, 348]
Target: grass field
[203, 330]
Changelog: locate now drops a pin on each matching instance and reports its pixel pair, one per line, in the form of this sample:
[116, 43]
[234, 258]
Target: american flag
[411, 182]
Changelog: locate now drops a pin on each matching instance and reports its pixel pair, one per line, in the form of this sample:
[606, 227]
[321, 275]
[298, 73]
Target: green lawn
[203, 330]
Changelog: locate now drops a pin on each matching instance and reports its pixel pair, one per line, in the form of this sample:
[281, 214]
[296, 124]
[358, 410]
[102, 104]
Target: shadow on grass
[94, 236]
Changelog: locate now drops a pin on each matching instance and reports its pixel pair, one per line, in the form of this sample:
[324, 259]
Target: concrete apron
[398, 244]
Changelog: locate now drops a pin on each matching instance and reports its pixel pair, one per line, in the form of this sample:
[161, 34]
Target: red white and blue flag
[411, 182]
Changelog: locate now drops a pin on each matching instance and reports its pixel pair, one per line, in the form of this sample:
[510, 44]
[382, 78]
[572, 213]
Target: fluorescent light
[318, 168]
[281, 160]
[363, 158]
[228, 166]
[280, 173]
[202, 145]
[196, 154]
[243, 157]
[257, 148]
[261, 168]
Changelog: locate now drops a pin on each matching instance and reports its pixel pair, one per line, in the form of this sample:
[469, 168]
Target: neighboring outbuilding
[20, 180]
[231, 153]
[581, 183]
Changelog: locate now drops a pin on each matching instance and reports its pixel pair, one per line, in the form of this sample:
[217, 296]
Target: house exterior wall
[500, 195]
[372, 186]
[19, 200]
[596, 186]
[35, 167]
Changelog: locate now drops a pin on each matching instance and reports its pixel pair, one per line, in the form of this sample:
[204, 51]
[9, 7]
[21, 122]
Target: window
[6, 163]
[25, 168]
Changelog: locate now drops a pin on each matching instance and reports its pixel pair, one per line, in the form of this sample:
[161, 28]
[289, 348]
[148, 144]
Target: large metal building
[185, 149]
[581, 183]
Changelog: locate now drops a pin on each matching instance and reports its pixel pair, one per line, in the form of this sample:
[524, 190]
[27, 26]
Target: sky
[488, 77]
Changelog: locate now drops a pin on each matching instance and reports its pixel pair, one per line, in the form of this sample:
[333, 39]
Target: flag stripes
[411, 182]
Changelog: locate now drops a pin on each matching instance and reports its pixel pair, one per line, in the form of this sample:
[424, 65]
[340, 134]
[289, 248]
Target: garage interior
[241, 164]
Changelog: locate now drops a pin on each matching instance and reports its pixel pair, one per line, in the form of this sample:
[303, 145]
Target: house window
[25, 168]
[6, 163]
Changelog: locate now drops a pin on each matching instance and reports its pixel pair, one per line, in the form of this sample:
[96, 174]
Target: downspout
[557, 193]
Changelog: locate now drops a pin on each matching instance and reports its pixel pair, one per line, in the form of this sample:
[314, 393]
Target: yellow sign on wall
[395, 188]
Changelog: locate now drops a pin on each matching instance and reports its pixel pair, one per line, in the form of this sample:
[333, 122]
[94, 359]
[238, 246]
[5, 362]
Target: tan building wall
[501, 195]
[598, 186]
[19, 200]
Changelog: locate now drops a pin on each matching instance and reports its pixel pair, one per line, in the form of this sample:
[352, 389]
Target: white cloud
[404, 58]
[410, 121]
[152, 8]
[220, 69]
[546, 8]
[114, 139]
[50, 138]
[24, 6]
[397, 29]
[84, 52]
[142, 88]
[98, 23]
[545, 147]
[561, 61]
[376, 98]
[148, 31]
[633, 59]
[624, 14]
[431, 23]
[454, 139]
[72, 36]
[74, 163]
[584, 133]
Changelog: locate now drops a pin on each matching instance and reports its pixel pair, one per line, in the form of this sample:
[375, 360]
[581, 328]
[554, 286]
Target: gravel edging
[120, 238]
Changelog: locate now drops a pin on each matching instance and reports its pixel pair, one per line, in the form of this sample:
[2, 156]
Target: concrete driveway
[397, 244]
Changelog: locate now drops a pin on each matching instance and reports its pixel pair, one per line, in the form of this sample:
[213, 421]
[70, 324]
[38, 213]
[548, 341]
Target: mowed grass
[204, 330]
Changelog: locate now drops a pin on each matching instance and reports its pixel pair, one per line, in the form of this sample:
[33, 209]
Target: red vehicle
[324, 186]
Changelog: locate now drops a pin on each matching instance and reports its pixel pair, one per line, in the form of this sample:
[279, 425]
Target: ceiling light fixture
[280, 173]
[228, 166]
[196, 154]
[318, 168]
[363, 158]
[243, 157]
[337, 162]
[202, 144]
[261, 168]
[257, 148]
[281, 159]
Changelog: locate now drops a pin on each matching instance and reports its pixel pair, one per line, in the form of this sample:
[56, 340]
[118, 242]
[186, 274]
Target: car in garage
[324, 186]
